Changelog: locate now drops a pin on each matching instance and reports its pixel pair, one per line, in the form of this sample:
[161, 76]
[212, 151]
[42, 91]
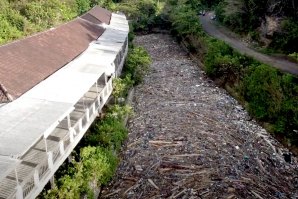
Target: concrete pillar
[50, 160]
[36, 178]
[61, 147]
[52, 182]
[68, 122]
[19, 194]
[87, 114]
[71, 136]
[94, 109]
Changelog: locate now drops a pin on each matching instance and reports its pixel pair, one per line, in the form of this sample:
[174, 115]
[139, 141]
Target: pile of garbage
[190, 139]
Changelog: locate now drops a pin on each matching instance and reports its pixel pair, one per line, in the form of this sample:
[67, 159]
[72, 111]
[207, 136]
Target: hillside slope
[225, 35]
[273, 23]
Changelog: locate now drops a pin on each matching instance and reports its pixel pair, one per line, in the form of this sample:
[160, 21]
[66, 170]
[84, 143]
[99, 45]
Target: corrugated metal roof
[25, 120]
[25, 63]
[36, 113]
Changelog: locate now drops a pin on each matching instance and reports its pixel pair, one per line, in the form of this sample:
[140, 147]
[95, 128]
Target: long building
[52, 87]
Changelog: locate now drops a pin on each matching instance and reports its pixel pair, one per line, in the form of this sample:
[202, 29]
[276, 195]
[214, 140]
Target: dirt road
[190, 139]
[223, 34]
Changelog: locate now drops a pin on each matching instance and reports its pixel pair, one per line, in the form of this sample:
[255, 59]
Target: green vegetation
[137, 64]
[248, 16]
[95, 159]
[287, 39]
[145, 14]
[184, 20]
[294, 56]
[269, 95]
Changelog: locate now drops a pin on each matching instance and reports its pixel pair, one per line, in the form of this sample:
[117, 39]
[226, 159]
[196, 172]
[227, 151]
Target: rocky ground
[190, 139]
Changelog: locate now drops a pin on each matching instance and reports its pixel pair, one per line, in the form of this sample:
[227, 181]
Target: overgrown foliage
[22, 18]
[97, 165]
[144, 14]
[269, 95]
[184, 20]
[287, 39]
[137, 64]
[248, 16]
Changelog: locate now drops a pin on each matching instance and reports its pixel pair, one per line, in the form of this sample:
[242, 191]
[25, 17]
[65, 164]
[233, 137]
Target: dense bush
[263, 92]
[7, 31]
[287, 39]
[247, 16]
[269, 95]
[294, 56]
[137, 64]
[184, 20]
[44, 14]
[121, 86]
[110, 132]
[95, 158]
[97, 166]
[142, 13]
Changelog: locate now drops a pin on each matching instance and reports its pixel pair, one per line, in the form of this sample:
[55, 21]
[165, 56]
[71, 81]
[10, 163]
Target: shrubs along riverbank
[270, 96]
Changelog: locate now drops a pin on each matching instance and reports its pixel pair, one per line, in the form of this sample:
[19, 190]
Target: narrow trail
[225, 35]
[190, 139]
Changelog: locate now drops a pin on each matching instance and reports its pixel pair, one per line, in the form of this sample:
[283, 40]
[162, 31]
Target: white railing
[42, 173]
[46, 168]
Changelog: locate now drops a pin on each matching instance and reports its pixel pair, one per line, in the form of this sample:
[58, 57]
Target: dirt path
[190, 139]
[226, 36]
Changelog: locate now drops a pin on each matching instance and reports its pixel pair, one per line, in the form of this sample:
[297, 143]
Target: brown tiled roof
[25, 63]
[98, 15]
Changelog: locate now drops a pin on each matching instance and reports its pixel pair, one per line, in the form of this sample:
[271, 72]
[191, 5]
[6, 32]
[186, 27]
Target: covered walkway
[42, 125]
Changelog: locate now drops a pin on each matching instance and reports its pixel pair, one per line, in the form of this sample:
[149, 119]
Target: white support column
[61, 147]
[45, 143]
[106, 90]
[68, 122]
[106, 79]
[71, 136]
[52, 181]
[80, 125]
[50, 160]
[87, 114]
[19, 194]
[97, 89]
[36, 178]
[93, 107]
[98, 100]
